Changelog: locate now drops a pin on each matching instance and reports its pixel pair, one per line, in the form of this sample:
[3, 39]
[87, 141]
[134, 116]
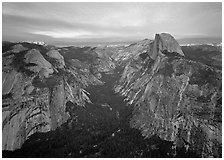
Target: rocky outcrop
[58, 105]
[175, 98]
[164, 42]
[18, 48]
[33, 109]
[54, 54]
[38, 63]
[36, 102]
[23, 117]
[123, 54]
[8, 81]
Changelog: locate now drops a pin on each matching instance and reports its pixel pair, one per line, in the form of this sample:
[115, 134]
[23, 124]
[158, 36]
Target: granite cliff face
[164, 42]
[173, 94]
[175, 98]
[57, 57]
[35, 92]
[37, 63]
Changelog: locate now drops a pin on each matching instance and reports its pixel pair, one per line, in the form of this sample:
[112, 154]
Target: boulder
[29, 89]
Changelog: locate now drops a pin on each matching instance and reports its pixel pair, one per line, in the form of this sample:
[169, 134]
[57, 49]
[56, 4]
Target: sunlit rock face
[175, 98]
[38, 63]
[8, 80]
[164, 42]
[123, 54]
[59, 59]
[18, 48]
[104, 62]
[35, 96]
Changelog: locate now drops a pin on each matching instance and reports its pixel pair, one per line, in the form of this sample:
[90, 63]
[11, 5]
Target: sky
[60, 23]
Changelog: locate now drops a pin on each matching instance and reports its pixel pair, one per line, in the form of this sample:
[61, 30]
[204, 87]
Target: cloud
[109, 20]
[80, 34]
[65, 34]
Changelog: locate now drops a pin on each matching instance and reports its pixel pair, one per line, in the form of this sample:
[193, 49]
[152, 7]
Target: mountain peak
[165, 42]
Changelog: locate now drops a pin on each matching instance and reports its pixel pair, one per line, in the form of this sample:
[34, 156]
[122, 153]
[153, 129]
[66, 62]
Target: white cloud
[65, 34]
[130, 17]
[110, 20]
[81, 34]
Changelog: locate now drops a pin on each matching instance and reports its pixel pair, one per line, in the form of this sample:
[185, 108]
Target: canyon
[152, 98]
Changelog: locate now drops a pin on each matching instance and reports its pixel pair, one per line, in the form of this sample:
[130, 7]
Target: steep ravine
[100, 129]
